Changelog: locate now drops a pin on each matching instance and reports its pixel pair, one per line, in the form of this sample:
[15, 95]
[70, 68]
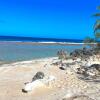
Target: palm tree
[97, 30]
[97, 25]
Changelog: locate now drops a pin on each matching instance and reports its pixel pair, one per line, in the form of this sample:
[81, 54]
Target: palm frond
[97, 35]
[96, 23]
[96, 15]
[98, 8]
[97, 27]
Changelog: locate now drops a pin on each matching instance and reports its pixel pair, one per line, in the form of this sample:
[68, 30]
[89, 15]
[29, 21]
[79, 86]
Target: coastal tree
[62, 54]
[97, 25]
[88, 41]
[96, 28]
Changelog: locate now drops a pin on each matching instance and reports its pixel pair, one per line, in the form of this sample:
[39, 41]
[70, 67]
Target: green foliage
[88, 40]
[97, 25]
[96, 15]
[62, 54]
[97, 35]
[98, 46]
[98, 7]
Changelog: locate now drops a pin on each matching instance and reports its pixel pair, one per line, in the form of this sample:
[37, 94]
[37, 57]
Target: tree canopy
[97, 25]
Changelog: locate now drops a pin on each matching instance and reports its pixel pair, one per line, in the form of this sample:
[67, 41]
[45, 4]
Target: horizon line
[39, 37]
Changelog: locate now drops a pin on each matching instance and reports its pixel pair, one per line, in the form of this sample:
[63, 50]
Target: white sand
[13, 76]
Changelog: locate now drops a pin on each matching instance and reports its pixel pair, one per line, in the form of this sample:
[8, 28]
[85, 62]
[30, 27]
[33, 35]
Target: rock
[37, 82]
[38, 75]
[63, 66]
[96, 66]
[32, 86]
[29, 86]
[78, 97]
[91, 72]
[81, 70]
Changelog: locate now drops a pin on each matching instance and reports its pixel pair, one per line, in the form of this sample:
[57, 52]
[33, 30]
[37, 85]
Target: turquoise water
[10, 52]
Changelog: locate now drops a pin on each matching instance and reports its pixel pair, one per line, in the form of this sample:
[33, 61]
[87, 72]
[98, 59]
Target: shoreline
[35, 59]
[14, 75]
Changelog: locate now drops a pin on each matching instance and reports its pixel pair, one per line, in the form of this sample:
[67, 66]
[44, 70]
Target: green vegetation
[96, 28]
[89, 40]
[62, 55]
[97, 25]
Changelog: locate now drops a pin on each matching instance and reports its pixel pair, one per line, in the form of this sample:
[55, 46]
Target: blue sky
[47, 18]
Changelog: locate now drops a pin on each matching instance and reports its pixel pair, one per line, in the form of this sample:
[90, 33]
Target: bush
[62, 54]
[98, 46]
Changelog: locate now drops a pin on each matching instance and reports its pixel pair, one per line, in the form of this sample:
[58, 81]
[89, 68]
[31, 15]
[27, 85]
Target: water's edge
[23, 51]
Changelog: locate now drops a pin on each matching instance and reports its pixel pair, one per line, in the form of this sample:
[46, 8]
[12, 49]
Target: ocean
[11, 50]
[35, 39]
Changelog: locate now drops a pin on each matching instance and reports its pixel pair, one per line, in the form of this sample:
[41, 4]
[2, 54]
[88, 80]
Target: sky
[68, 19]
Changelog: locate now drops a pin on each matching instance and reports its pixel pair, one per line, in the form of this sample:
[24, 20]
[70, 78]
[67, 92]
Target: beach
[14, 75]
[44, 56]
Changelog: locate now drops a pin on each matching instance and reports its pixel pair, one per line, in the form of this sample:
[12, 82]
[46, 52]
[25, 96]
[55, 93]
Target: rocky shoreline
[75, 79]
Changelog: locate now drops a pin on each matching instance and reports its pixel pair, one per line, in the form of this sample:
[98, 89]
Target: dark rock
[24, 91]
[64, 66]
[91, 72]
[81, 70]
[38, 75]
[96, 66]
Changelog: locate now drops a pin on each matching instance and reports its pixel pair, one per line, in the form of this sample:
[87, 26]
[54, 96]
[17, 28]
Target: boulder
[96, 66]
[38, 75]
[31, 86]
